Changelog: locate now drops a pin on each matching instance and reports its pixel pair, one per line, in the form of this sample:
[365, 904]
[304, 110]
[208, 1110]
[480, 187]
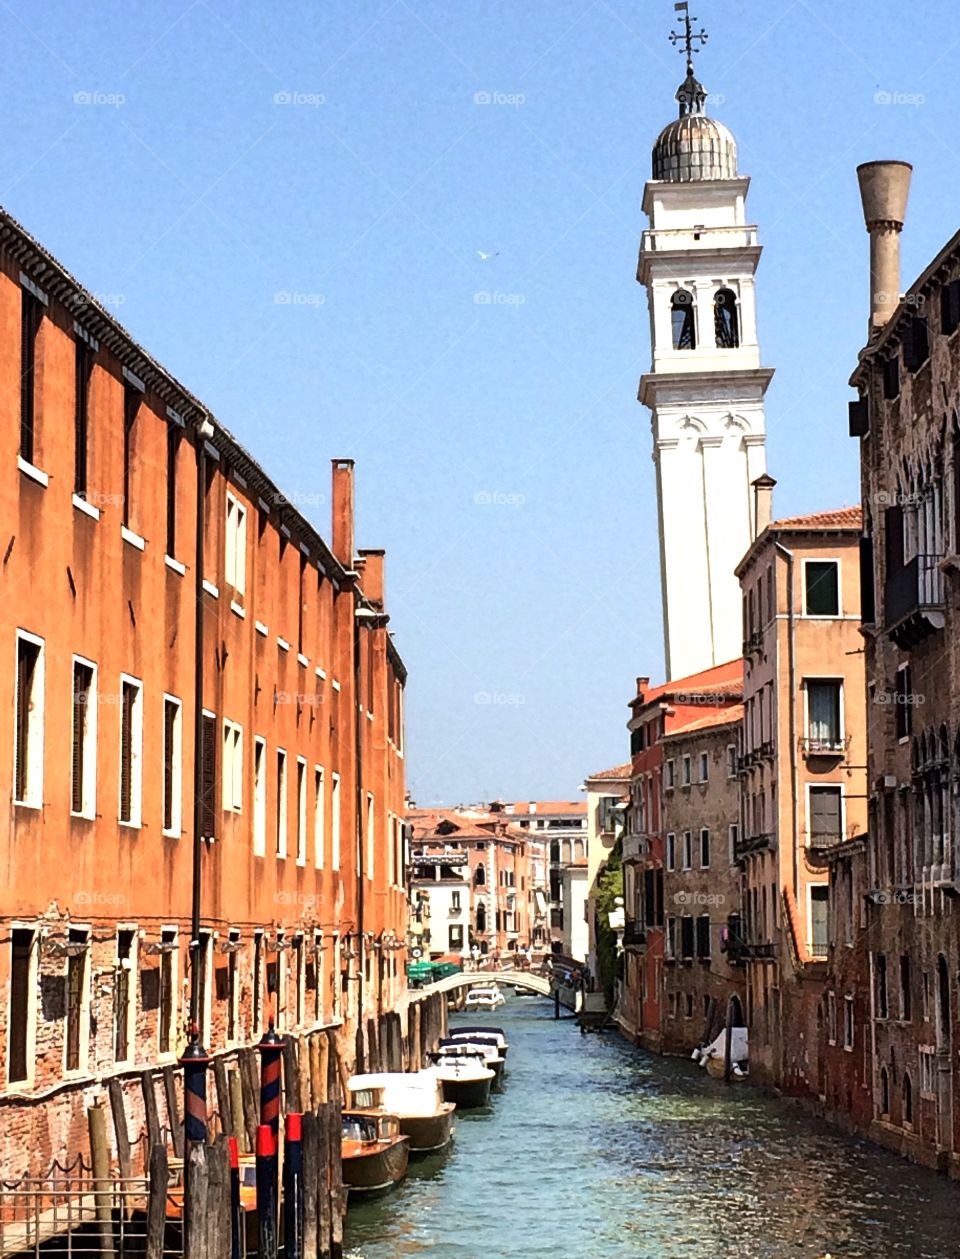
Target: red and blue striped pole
[267, 1211]
[270, 1049]
[194, 1061]
[292, 1188]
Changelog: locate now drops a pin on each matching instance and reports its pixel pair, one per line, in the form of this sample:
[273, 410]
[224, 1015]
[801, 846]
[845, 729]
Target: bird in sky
[486, 257]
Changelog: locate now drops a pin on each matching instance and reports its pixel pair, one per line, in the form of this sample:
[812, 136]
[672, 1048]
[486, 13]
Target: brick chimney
[342, 510]
[372, 583]
[762, 502]
[884, 188]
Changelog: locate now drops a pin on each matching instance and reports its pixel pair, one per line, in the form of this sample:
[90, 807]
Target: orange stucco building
[202, 722]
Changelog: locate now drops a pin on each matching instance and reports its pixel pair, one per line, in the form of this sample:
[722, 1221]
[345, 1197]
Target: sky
[287, 203]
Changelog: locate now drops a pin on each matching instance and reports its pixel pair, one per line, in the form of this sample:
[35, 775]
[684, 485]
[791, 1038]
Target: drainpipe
[358, 762]
[204, 431]
[792, 672]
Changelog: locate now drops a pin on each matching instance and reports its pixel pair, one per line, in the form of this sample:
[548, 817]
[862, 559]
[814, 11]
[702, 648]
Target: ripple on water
[599, 1151]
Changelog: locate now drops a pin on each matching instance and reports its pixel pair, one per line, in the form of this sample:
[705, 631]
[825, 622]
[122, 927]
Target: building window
[826, 811]
[686, 936]
[233, 988]
[169, 955]
[824, 729]
[725, 320]
[688, 850]
[456, 936]
[335, 821]
[31, 315]
[733, 835]
[907, 1100]
[704, 849]
[455, 902]
[83, 758]
[685, 763]
[172, 765]
[132, 398]
[83, 370]
[281, 803]
[731, 760]
[257, 1011]
[232, 769]
[124, 986]
[669, 772]
[21, 1020]
[884, 1094]
[174, 434]
[880, 985]
[28, 741]
[688, 1005]
[301, 811]
[906, 1003]
[903, 702]
[703, 936]
[203, 955]
[78, 999]
[671, 853]
[891, 377]
[371, 837]
[848, 1024]
[131, 750]
[318, 803]
[683, 320]
[298, 996]
[208, 775]
[819, 900]
[259, 796]
[235, 548]
[704, 767]
[832, 1017]
[821, 587]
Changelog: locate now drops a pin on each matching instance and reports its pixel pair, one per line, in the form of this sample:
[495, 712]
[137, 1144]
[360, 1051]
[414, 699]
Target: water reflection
[598, 1150]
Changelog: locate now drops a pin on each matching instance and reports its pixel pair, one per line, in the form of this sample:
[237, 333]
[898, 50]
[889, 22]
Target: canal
[598, 1150]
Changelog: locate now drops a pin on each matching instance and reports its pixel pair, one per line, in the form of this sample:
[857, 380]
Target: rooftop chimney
[343, 511]
[762, 502]
[372, 582]
[884, 187]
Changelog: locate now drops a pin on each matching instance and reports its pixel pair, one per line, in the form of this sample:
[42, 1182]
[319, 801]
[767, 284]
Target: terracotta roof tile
[716, 717]
[618, 771]
[842, 518]
[721, 679]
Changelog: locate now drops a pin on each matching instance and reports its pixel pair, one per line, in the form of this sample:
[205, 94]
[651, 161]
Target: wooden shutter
[83, 366]
[824, 814]
[21, 946]
[893, 530]
[208, 778]
[29, 324]
[169, 725]
[26, 660]
[126, 752]
[82, 680]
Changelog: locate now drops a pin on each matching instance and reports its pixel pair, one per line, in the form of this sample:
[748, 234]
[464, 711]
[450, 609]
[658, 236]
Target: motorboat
[374, 1151]
[488, 1051]
[481, 1032]
[415, 1097]
[465, 1078]
[484, 998]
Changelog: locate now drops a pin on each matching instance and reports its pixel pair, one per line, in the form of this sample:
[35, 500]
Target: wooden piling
[115, 1093]
[173, 1110]
[100, 1164]
[338, 1195]
[219, 1231]
[324, 1211]
[223, 1097]
[359, 1057]
[309, 1142]
[373, 1047]
[150, 1110]
[307, 1101]
[320, 1054]
[157, 1204]
[196, 1201]
[237, 1117]
[414, 1049]
[291, 1076]
[250, 1081]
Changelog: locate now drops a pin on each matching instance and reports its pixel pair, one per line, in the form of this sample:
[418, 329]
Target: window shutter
[950, 307]
[126, 753]
[825, 814]
[859, 417]
[893, 529]
[23, 716]
[29, 324]
[208, 778]
[76, 776]
[867, 601]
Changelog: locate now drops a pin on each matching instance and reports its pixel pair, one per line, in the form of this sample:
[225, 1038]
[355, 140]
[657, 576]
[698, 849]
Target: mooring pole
[556, 1001]
[293, 1188]
[236, 1210]
[267, 1191]
[195, 1061]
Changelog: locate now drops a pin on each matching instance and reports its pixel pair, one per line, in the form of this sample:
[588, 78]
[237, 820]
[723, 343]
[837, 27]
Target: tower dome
[694, 147]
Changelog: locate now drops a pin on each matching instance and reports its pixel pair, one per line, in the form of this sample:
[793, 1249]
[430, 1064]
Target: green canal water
[596, 1150]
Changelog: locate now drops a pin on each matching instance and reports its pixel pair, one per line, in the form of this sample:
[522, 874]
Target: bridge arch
[469, 979]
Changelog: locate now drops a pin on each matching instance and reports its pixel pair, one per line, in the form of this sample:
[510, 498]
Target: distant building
[559, 829]
[608, 795]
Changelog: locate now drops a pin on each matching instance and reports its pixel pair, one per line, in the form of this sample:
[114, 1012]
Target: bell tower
[705, 389]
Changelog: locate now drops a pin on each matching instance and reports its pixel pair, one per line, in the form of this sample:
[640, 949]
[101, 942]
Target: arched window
[884, 1092]
[479, 876]
[726, 319]
[683, 320]
[481, 918]
[907, 1099]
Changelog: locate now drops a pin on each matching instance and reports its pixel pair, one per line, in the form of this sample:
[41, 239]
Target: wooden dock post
[237, 1117]
[291, 1076]
[309, 1149]
[100, 1163]
[324, 1211]
[223, 1097]
[307, 1101]
[196, 1202]
[115, 1093]
[320, 1050]
[157, 1206]
[556, 1003]
[250, 1083]
[338, 1195]
[173, 1110]
[267, 1210]
[360, 1060]
[373, 1048]
[219, 1233]
[150, 1110]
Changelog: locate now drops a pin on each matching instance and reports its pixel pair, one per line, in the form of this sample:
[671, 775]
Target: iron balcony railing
[633, 934]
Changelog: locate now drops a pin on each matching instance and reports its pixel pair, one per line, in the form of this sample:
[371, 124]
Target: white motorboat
[489, 1052]
[464, 1076]
[415, 1097]
[483, 1033]
[485, 998]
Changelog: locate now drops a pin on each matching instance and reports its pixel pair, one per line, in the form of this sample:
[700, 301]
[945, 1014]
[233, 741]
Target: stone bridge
[471, 979]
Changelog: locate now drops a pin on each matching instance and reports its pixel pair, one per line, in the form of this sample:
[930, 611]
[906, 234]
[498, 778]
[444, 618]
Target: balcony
[750, 844]
[634, 847]
[831, 747]
[634, 935]
[913, 601]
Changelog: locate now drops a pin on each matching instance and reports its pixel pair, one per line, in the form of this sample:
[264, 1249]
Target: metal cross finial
[688, 36]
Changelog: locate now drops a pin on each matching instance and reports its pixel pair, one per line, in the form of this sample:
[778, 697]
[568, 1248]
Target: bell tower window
[726, 320]
[683, 320]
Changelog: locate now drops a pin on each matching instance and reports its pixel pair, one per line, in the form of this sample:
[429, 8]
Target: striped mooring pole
[270, 1049]
[195, 1061]
[267, 1206]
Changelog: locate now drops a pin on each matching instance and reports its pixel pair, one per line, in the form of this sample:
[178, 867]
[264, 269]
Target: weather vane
[688, 35]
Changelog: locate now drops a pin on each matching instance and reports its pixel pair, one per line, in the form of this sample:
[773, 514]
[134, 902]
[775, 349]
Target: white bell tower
[706, 387]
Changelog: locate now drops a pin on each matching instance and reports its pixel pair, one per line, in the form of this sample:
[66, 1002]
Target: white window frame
[669, 774]
[33, 1008]
[686, 776]
[259, 796]
[817, 678]
[232, 768]
[88, 785]
[822, 616]
[136, 756]
[282, 793]
[319, 816]
[849, 1024]
[831, 1018]
[686, 854]
[371, 836]
[731, 760]
[335, 822]
[733, 834]
[83, 1032]
[705, 830]
[838, 786]
[176, 770]
[235, 545]
[33, 797]
[301, 811]
[810, 887]
[671, 851]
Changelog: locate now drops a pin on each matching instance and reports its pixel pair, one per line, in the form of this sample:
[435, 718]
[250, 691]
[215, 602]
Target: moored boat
[479, 1032]
[374, 1152]
[464, 1076]
[485, 998]
[487, 1050]
[415, 1097]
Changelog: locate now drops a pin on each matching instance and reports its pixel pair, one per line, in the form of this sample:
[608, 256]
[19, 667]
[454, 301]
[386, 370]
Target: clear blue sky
[192, 199]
